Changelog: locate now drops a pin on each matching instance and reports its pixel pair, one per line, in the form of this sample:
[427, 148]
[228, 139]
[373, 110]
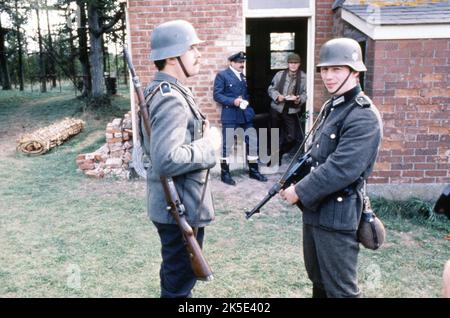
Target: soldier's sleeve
[272, 90]
[356, 151]
[169, 154]
[219, 91]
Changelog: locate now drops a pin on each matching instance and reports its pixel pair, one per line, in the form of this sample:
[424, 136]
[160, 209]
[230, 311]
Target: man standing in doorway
[288, 93]
[230, 90]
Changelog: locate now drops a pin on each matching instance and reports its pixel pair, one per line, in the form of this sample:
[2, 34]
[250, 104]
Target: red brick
[436, 173]
[413, 173]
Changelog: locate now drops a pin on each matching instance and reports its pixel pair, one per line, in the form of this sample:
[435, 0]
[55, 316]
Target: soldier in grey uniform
[343, 150]
[180, 147]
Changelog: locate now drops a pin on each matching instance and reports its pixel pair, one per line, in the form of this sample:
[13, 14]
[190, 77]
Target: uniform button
[317, 146]
[312, 168]
[339, 199]
[331, 109]
[333, 136]
[203, 180]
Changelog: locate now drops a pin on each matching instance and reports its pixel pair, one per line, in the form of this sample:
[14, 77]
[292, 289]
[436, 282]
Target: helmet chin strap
[182, 67]
[343, 83]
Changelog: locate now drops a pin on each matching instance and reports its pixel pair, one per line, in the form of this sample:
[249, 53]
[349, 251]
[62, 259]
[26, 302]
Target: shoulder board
[165, 88]
[363, 101]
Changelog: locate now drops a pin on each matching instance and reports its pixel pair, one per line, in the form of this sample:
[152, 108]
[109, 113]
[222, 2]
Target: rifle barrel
[272, 192]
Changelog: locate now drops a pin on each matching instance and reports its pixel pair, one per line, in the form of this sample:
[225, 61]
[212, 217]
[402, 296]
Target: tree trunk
[4, 73]
[19, 49]
[42, 75]
[83, 47]
[50, 48]
[96, 53]
[72, 54]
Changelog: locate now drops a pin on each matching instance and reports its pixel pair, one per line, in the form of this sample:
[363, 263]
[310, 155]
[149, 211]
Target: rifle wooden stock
[140, 94]
[198, 262]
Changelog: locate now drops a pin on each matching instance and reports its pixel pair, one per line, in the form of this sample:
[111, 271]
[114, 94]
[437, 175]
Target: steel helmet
[172, 39]
[371, 232]
[342, 51]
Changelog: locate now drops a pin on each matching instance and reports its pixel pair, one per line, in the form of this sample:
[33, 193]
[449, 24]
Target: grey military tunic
[177, 150]
[343, 150]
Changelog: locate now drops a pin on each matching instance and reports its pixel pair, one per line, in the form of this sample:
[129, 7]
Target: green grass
[65, 235]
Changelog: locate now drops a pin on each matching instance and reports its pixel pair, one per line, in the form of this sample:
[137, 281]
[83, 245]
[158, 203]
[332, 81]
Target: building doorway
[268, 41]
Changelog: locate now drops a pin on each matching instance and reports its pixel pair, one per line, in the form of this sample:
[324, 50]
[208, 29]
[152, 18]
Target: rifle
[299, 167]
[143, 111]
[175, 207]
[198, 262]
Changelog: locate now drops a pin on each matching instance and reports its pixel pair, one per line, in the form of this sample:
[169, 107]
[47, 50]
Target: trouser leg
[312, 263]
[176, 275]
[335, 255]
[292, 132]
[276, 122]
[227, 140]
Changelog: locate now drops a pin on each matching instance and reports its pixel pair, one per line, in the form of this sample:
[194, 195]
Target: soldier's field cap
[238, 57]
[293, 58]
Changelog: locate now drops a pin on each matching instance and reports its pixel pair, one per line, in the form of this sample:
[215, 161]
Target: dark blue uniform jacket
[227, 87]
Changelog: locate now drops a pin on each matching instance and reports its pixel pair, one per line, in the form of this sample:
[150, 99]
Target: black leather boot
[225, 174]
[254, 173]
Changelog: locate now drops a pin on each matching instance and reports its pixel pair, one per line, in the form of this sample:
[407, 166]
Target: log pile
[44, 139]
[112, 158]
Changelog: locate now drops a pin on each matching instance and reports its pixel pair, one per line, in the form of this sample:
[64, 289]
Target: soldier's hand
[280, 98]
[212, 134]
[297, 99]
[289, 195]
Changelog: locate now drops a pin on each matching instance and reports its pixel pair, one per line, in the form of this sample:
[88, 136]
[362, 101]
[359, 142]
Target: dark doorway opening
[260, 58]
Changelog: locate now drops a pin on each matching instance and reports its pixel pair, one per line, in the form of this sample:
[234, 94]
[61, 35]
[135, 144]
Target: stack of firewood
[44, 139]
[112, 158]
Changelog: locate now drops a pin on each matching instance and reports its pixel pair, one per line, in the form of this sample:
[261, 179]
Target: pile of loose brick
[112, 158]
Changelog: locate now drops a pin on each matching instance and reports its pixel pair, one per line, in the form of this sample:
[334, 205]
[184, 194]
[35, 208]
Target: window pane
[278, 60]
[282, 41]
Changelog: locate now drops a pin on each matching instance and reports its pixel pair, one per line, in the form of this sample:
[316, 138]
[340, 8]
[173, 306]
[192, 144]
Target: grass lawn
[65, 235]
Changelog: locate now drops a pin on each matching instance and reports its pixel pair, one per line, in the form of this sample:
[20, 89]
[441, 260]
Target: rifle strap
[202, 198]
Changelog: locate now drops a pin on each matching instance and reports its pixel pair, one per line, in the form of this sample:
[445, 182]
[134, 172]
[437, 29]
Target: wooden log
[44, 139]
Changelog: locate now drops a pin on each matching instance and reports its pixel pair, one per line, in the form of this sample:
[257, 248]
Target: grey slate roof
[436, 13]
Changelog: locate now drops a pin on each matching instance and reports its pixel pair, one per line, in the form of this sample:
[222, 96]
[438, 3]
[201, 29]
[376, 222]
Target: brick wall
[324, 32]
[219, 22]
[409, 81]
